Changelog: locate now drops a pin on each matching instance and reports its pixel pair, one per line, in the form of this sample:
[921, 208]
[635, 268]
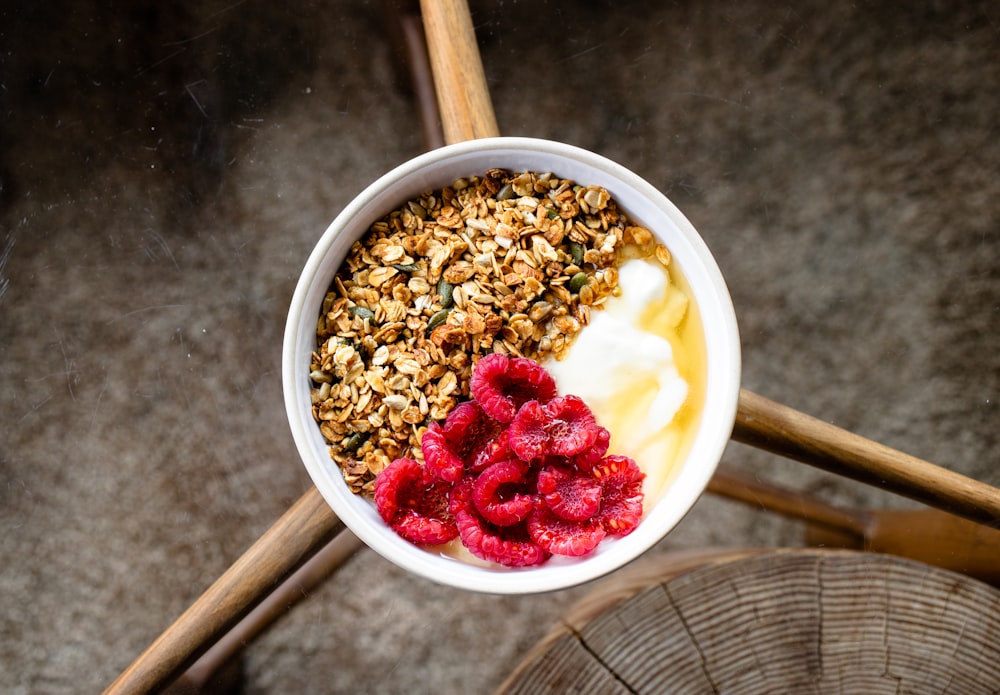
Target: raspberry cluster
[518, 473]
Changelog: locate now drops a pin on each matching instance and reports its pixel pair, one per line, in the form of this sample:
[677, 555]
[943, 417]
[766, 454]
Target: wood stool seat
[785, 621]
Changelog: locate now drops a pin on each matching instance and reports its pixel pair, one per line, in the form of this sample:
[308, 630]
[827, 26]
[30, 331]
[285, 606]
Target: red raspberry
[508, 545]
[498, 493]
[527, 380]
[501, 385]
[390, 482]
[495, 451]
[452, 447]
[529, 438]
[439, 458]
[621, 494]
[414, 503]
[586, 459]
[564, 426]
[460, 496]
[572, 428]
[569, 495]
[562, 536]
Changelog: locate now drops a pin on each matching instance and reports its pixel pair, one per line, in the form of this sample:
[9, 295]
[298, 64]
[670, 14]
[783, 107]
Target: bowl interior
[644, 205]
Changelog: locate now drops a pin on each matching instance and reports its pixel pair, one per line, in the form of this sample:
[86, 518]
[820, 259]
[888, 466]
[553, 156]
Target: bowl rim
[432, 170]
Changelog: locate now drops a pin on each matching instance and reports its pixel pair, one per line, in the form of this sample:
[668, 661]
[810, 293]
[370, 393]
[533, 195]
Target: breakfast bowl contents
[511, 365]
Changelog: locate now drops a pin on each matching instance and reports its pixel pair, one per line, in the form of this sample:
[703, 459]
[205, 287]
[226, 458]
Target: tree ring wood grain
[792, 620]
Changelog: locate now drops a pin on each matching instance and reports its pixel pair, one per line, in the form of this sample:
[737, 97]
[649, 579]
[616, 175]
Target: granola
[504, 262]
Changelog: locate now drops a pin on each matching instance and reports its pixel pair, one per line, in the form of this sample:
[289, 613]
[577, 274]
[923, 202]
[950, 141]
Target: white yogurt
[622, 365]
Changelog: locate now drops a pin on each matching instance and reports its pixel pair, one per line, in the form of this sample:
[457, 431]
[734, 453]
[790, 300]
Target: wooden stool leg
[926, 535]
[404, 27]
[773, 427]
[222, 656]
[463, 97]
[298, 535]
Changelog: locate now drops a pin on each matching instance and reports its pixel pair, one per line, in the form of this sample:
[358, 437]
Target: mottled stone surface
[165, 173]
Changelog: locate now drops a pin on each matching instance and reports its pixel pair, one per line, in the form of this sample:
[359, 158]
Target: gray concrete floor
[166, 172]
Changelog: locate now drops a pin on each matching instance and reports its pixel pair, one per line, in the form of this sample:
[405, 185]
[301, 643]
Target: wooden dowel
[415, 45]
[293, 590]
[459, 78]
[748, 489]
[298, 535]
[767, 425]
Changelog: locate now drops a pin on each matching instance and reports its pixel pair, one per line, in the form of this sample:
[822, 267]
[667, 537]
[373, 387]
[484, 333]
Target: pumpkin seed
[577, 282]
[445, 290]
[438, 318]
[355, 441]
[361, 312]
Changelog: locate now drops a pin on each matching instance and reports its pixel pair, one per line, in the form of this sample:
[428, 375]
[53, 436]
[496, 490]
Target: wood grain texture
[460, 82]
[803, 621]
[926, 535]
[298, 535]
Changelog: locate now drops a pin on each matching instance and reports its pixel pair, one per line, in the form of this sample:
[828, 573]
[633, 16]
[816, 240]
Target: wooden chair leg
[404, 27]
[296, 537]
[926, 535]
[773, 427]
[220, 664]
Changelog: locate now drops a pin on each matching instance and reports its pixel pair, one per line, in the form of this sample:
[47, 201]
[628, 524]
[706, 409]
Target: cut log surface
[802, 621]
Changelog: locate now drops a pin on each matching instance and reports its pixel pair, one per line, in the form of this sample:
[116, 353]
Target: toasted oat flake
[490, 259]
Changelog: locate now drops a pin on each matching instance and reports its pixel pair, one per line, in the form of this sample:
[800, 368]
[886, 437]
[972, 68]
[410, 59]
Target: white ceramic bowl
[643, 204]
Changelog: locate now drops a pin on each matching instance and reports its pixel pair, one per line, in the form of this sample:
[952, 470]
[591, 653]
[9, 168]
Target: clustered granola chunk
[506, 262]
